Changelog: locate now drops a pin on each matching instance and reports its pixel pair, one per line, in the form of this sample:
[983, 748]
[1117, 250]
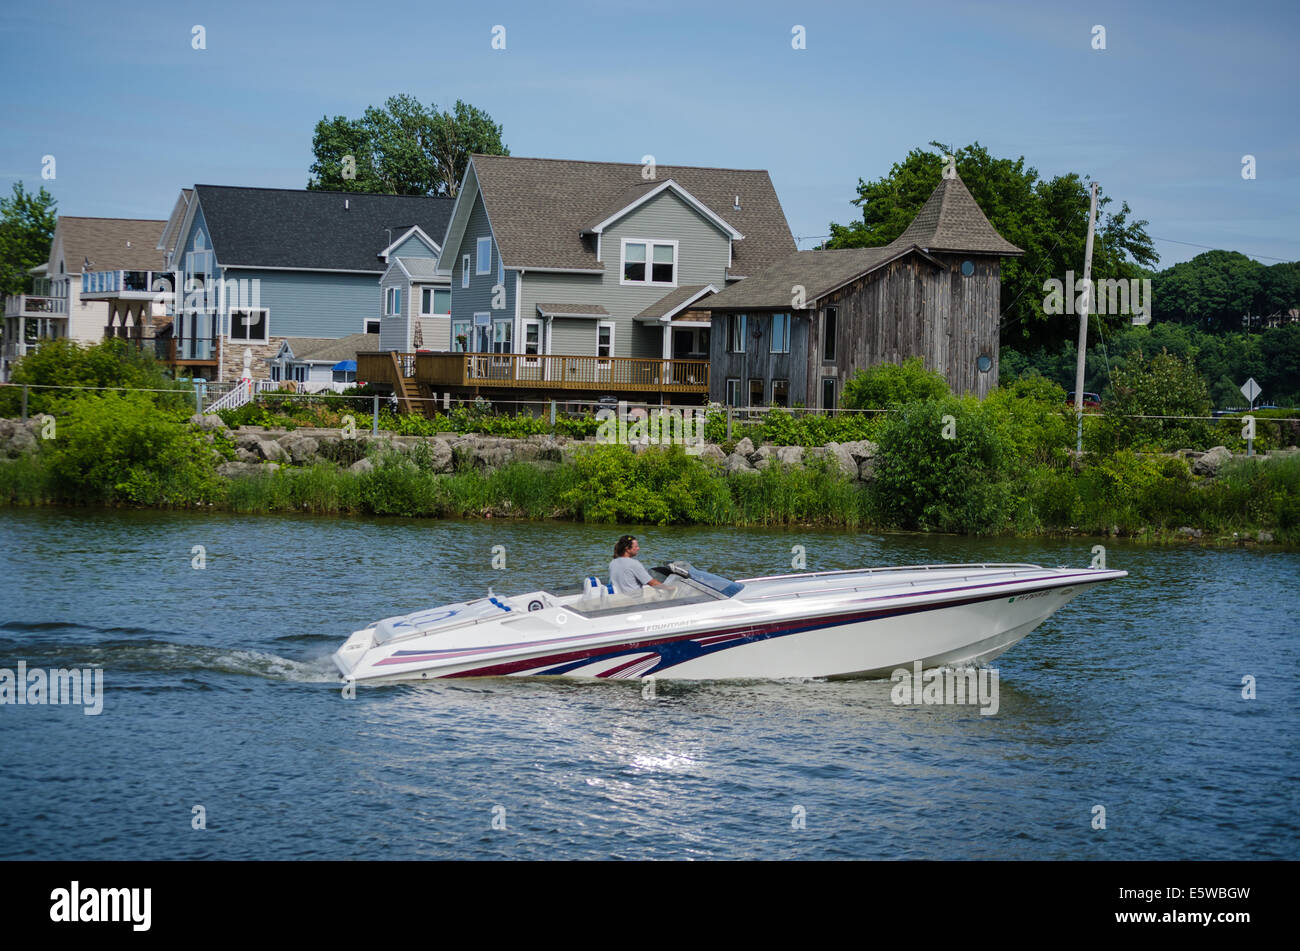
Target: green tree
[1048, 219]
[26, 228]
[404, 148]
[109, 363]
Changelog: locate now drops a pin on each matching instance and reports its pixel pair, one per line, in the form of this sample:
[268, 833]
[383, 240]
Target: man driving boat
[626, 574]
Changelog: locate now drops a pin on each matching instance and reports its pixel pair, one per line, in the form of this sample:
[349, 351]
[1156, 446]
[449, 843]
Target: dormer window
[653, 263]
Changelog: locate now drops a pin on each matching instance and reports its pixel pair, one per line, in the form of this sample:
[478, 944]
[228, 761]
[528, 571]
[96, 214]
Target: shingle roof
[421, 268]
[817, 272]
[111, 244]
[295, 228]
[326, 350]
[951, 220]
[572, 310]
[539, 207]
[671, 301]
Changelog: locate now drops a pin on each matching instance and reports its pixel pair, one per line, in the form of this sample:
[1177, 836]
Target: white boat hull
[833, 625]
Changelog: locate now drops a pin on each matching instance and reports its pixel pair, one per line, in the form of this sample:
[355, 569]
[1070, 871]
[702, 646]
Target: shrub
[888, 385]
[114, 448]
[925, 480]
[1162, 385]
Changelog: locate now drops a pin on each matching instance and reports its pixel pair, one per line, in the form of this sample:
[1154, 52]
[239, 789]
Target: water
[218, 693]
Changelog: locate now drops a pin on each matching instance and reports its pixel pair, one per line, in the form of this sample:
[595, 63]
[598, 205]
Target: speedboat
[699, 626]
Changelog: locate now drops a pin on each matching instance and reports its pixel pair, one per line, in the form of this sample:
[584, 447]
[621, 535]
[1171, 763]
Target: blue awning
[346, 365]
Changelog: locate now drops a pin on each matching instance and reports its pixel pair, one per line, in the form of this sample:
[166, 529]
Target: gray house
[415, 299]
[601, 261]
[256, 266]
[798, 329]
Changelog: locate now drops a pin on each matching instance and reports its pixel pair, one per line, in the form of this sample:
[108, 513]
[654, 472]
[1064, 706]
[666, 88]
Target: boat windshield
[679, 584]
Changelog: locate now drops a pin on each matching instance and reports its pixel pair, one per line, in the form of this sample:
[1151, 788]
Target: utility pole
[1083, 319]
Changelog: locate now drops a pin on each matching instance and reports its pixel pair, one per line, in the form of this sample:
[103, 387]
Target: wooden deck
[412, 374]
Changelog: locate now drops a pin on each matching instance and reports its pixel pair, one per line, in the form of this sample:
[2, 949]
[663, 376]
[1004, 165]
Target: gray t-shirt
[627, 575]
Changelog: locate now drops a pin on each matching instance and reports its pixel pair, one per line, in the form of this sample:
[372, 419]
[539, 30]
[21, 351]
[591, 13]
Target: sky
[1162, 117]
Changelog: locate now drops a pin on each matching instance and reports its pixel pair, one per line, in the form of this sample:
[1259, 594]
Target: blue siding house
[254, 267]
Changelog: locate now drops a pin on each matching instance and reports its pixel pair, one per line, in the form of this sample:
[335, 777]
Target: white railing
[239, 394]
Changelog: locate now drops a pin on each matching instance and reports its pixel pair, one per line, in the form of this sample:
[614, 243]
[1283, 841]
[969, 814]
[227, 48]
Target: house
[254, 267]
[571, 276]
[319, 363]
[796, 331]
[415, 298]
[69, 303]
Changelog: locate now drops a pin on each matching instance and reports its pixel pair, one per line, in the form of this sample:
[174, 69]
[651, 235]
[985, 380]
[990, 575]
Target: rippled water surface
[218, 692]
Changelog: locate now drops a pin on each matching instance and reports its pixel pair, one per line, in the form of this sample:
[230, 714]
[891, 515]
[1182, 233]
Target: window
[502, 332]
[780, 392]
[393, 301]
[372, 325]
[755, 392]
[275, 372]
[605, 339]
[460, 336]
[736, 333]
[532, 337]
[484, 263]
[780, 333]
[733, 391]
[501, 271]
[250, 325]
[300, 373]
[464, 271]
[828, 392]
[649, 262]
[830, 320]
[435, 300]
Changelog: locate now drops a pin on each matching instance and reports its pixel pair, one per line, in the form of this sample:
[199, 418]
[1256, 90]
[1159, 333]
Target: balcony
[29, 305]
[543, 372]
[127, 285]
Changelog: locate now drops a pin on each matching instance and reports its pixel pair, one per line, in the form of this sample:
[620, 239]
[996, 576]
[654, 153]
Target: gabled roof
[676, 300]
[312, 230]
[637, 196]
[400, 239]
[817, 272]
[326, 349]
[539, 208]
[421, 269]
[951, 220]
[109, 244]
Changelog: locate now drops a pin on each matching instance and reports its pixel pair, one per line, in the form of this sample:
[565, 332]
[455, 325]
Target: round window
[985, 363]
[967, 268]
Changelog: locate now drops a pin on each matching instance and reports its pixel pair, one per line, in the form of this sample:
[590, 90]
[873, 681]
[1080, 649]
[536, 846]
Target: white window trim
[531, 360]
[230, 327]
[429, 312]
[464, 271]
[613, 329]
[649, 262]
[365, 323]
[392, 302]
[466, 327]
[483, 262]
[441, 313]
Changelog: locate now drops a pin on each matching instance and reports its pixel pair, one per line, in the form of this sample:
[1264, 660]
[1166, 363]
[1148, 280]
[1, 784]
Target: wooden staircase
[405, 387]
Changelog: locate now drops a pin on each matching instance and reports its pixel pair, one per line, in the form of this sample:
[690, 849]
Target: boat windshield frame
[677, 589]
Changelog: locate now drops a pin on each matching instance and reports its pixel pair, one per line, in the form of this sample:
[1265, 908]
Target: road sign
[1250, 389]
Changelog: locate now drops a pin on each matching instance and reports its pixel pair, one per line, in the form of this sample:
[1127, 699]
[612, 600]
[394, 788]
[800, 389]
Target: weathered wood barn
[798, 329]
